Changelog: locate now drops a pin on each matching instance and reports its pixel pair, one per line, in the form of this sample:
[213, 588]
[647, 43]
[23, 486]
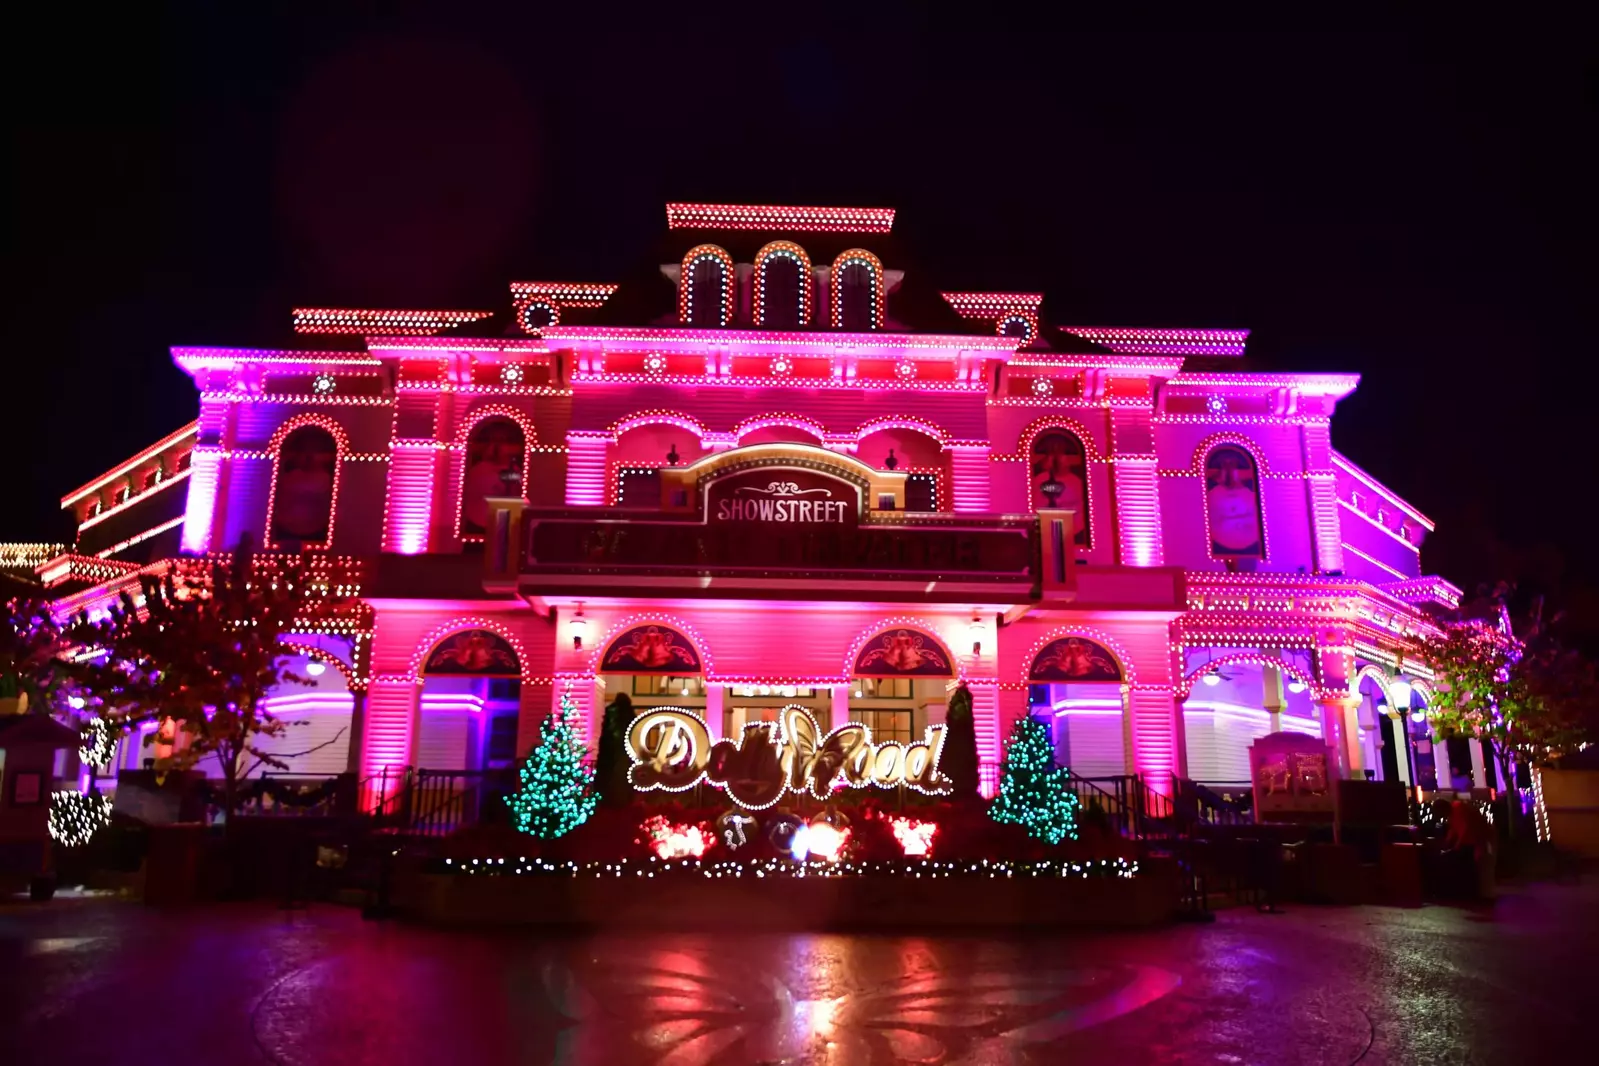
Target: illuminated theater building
[776, 467]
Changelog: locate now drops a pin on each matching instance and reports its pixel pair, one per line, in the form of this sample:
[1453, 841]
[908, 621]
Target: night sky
[1415, 209]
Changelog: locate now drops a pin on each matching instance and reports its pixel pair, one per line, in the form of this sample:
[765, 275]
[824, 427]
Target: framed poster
[27, 790]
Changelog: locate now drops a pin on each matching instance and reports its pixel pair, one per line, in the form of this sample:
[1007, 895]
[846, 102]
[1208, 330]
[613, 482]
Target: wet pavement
[107, 982]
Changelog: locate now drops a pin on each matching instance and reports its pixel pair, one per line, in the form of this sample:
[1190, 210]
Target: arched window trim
[341, 448]
[874, 267]
[475, 419]
[763, 259]
[1202, 454]
[1091, 457]
[685, 282]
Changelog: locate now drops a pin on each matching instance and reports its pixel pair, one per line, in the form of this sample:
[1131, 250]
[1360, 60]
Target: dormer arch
[706, 290]
[857, 291]
[783, 295]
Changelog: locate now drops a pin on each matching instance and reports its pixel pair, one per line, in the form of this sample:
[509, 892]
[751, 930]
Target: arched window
[492, 467]
[782, 296]
[1019, 324]
[857, 291]
[1232, 504]
[705, 287]
[1059, 475]
[304, 484]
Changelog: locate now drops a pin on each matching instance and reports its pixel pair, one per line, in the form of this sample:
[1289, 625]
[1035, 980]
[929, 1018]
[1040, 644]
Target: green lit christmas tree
[557, 793]
[1032, 789]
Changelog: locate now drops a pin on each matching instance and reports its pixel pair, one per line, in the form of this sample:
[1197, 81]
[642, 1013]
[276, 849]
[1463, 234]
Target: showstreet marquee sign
[672, 750]
[782, 496]
[779, 518]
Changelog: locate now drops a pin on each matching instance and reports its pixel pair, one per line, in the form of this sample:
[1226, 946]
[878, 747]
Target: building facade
[776, 467]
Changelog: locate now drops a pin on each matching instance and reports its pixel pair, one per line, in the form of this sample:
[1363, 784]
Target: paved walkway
[100, 982]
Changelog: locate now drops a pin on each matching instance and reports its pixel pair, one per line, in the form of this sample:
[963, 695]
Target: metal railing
[433, 802]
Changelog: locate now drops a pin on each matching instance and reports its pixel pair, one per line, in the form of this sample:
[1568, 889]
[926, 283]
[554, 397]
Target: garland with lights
[98, 744]
[763, 868]
[75, 817]
[557, 793]
[1032, 789]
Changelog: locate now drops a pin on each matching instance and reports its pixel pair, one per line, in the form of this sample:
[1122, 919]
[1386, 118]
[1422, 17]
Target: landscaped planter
[673, 899]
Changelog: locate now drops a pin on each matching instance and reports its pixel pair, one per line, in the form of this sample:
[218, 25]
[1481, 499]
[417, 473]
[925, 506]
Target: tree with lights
[202, 648]
[557, 793]
[1528, 702]
[1032, 789]
[959, 758]
[32, 644]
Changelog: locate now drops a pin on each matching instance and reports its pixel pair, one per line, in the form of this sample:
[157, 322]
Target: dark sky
[1418, 209]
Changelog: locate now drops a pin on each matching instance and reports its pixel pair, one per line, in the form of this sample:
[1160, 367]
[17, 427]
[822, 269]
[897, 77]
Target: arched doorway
[1075, 686]
[899, 683]
[471, 689]
[1233, 697]
[653, 664]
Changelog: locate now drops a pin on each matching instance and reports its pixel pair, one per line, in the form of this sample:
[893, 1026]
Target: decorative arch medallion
[472, 653]
[903, 651]
[650, 648]
[1073, 659]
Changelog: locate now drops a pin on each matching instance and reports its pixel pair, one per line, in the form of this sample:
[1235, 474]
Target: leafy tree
[1527, 702]
[611, 764]
[1032, 789]
[202, 649]
[557, 793]
[959, 758]
[32, 644]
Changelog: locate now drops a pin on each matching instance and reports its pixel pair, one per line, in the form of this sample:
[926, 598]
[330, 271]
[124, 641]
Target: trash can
[173, 862]
[1400, 866]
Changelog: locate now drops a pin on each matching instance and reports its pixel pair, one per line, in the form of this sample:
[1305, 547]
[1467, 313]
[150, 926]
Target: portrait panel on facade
[1232, 504]
[494, 452]
[1059, 459]
[302, 509]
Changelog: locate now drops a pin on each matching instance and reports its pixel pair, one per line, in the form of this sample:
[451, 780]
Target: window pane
[781, 303]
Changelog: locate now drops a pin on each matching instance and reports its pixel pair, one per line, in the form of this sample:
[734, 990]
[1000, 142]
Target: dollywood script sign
[673, 750]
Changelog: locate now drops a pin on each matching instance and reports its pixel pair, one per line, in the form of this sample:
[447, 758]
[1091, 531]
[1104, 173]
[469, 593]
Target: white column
[1479, 772]
[1441, 767]
[840, 709]
[715, 712]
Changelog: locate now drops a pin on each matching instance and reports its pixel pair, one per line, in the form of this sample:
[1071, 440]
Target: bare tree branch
[295, 754]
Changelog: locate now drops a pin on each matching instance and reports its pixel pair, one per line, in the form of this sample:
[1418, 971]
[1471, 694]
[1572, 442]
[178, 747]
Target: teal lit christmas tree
[557, 793]
[1032, 789]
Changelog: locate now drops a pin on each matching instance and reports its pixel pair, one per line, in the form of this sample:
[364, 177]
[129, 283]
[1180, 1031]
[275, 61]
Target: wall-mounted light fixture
[579, 627]
[976, 631]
